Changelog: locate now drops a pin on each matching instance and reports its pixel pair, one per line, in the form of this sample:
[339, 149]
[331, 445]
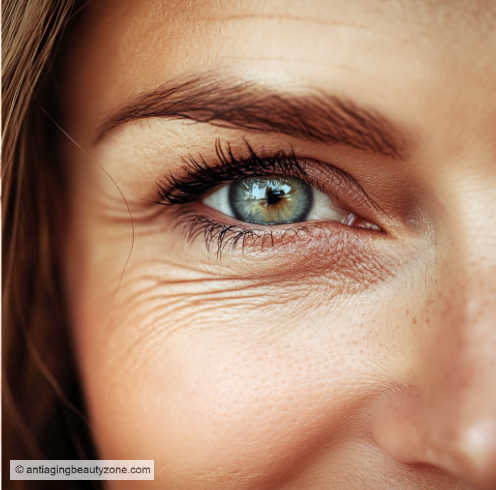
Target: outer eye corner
[354, 221]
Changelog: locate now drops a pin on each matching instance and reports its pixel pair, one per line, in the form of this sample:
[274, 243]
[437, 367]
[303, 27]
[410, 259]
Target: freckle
[414, 320]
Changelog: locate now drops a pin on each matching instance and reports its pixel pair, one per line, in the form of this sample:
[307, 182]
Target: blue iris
[271, 200]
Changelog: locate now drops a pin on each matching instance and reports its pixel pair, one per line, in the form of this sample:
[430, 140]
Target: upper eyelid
[199, 171]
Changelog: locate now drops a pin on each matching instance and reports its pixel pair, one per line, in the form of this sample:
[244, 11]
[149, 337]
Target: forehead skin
[381, 51]
[238, 405]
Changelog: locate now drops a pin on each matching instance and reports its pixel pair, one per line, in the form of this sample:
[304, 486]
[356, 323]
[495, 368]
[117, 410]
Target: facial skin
[334, 358]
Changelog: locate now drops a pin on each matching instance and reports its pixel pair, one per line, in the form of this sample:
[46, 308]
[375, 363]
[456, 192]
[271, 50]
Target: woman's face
[281, 259]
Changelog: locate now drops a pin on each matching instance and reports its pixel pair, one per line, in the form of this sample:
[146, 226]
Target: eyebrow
[313, 114]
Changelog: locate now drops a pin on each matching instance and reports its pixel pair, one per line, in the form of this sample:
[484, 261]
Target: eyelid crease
[200, 177]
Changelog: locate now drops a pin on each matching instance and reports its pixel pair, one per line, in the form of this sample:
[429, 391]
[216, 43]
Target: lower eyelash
[222, 235]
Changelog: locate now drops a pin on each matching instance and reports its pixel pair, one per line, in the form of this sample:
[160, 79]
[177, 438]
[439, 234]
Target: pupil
[273, 196]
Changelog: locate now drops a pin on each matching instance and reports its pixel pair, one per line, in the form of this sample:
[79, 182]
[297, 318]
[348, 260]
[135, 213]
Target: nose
[418, 428]
[443, 414]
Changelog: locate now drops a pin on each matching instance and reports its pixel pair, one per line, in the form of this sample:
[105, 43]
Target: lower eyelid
[352, 258]
[198, 221]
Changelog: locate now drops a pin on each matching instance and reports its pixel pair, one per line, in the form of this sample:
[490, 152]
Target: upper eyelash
[202, 176]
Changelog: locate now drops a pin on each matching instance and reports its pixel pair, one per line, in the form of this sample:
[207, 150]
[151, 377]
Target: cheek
[230, 390]
[205, 409]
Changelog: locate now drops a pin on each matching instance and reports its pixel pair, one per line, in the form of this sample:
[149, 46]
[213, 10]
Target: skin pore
[314, 356]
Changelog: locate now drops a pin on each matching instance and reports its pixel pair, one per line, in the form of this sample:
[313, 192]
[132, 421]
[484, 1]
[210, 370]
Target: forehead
[123, 48]
[474, 12]
[431, 19]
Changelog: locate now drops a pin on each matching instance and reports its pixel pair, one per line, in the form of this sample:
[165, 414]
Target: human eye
[242, 200]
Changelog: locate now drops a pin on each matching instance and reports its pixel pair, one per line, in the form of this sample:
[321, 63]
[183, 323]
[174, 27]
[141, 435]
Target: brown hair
[42, 408]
